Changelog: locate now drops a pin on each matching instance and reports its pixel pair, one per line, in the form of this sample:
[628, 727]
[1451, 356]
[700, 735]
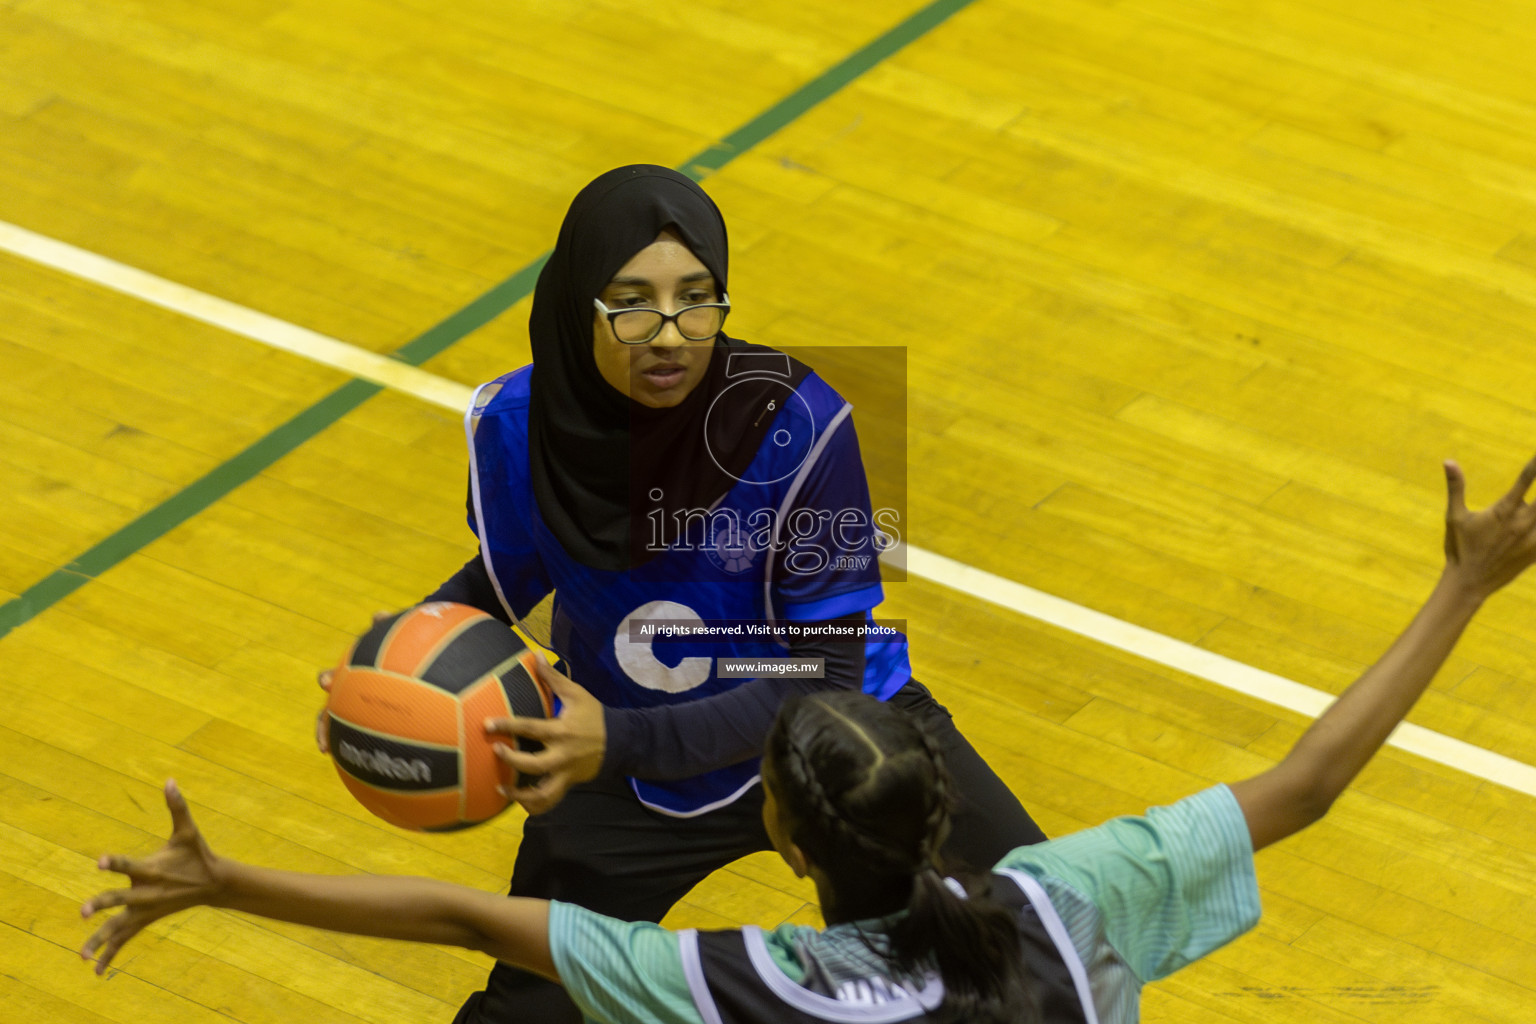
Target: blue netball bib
[784, 545]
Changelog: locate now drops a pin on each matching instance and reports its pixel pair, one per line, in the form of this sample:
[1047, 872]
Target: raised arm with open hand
[185, 873]
[1483, 552]
[182, 874]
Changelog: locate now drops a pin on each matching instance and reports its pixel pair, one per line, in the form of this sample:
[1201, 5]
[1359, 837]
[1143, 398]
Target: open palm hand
[181, 874]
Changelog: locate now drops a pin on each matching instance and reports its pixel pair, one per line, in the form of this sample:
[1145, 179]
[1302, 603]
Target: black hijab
[597, 458]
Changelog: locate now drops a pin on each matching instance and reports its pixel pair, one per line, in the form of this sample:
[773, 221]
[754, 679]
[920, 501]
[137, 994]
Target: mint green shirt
[1140, 898]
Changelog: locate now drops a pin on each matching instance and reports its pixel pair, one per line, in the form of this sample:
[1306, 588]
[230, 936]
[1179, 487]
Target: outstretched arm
[1483, 551]
[185, 873]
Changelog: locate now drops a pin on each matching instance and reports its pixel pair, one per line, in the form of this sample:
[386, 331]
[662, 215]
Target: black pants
[602, 849]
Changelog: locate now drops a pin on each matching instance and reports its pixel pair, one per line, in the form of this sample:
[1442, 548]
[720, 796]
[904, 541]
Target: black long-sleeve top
[676, 741]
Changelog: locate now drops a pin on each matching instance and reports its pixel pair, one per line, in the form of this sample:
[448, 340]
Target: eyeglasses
[638, 325]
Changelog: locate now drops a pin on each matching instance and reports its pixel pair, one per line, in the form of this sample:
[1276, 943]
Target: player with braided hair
[857, 799]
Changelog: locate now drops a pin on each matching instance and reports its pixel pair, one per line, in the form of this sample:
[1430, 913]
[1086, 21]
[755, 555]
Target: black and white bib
[734, 979]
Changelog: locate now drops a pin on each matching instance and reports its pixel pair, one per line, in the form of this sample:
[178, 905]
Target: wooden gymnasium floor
[1195, 295]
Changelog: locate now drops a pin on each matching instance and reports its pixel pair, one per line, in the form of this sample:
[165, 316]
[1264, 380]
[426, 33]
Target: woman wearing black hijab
[650, 470]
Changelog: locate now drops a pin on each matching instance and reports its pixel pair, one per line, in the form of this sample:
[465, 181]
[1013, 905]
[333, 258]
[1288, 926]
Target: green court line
[202, 493]
[496, 301]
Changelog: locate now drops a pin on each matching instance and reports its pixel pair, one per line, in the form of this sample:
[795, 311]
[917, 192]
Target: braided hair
[869, 801]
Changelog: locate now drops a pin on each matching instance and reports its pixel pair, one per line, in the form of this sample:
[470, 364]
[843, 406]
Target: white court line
[1207, 665]
[1036, 604]
[349, 359]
